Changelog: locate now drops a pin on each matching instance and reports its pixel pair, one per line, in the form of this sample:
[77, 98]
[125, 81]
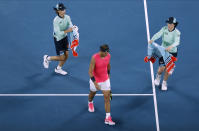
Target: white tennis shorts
[102, 85]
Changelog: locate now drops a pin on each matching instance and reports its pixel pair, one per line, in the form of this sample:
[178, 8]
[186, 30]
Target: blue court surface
[26, 35]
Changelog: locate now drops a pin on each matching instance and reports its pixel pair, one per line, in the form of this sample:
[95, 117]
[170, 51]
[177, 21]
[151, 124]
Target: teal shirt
[60, 25]
[168, 38]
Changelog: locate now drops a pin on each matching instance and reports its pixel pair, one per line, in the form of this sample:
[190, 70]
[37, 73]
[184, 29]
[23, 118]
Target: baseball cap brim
[169, 22]
[62, 8]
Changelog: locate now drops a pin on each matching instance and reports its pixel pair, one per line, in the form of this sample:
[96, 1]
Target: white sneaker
[45, 61]
[60, 71]
[157, 80]
[164, 86]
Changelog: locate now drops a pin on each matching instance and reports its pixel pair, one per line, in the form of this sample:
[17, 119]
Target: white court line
[152, 72]
[73, 94]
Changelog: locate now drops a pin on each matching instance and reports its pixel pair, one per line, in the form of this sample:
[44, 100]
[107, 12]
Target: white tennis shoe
[157, 80]
[60, 71]
[164, 86]
[45, 61]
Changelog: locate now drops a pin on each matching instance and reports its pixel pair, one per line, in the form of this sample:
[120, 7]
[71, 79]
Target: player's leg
[164, 82]
[59, 69]
[63, 48]
[107, 101]
[47, 59]
[56, 58]
[106, 88]
[91, 96]
[63, 58]
[60, 49]
[161, 69]
[107, 105]
[90, 101]
[166, 76]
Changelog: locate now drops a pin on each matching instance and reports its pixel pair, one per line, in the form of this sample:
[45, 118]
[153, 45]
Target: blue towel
[157, 51]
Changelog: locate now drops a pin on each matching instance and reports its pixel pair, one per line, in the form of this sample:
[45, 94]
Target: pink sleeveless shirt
[100, 70]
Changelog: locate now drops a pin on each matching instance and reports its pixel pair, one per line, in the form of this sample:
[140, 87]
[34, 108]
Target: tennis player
[99, 72]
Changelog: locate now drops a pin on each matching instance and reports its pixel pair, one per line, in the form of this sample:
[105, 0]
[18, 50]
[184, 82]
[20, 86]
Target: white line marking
[151, 67]
[73, 94]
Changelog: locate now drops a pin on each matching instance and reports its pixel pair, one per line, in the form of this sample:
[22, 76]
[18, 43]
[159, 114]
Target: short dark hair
[104, 48]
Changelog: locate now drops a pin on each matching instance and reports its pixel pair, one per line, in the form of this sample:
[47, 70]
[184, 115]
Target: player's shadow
[76, 81]
[39, 81]
[83, 117]
[185, 95]
[88, 121]
[135, 103]
[35, 81]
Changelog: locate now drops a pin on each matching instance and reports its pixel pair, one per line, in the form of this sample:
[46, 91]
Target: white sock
[158, 76]
[59, 67]
[164, 82]
[48, 58]
[90, 102]
[107, 115]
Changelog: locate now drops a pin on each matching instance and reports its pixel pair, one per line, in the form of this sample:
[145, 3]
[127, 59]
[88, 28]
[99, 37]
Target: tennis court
[33, 98]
